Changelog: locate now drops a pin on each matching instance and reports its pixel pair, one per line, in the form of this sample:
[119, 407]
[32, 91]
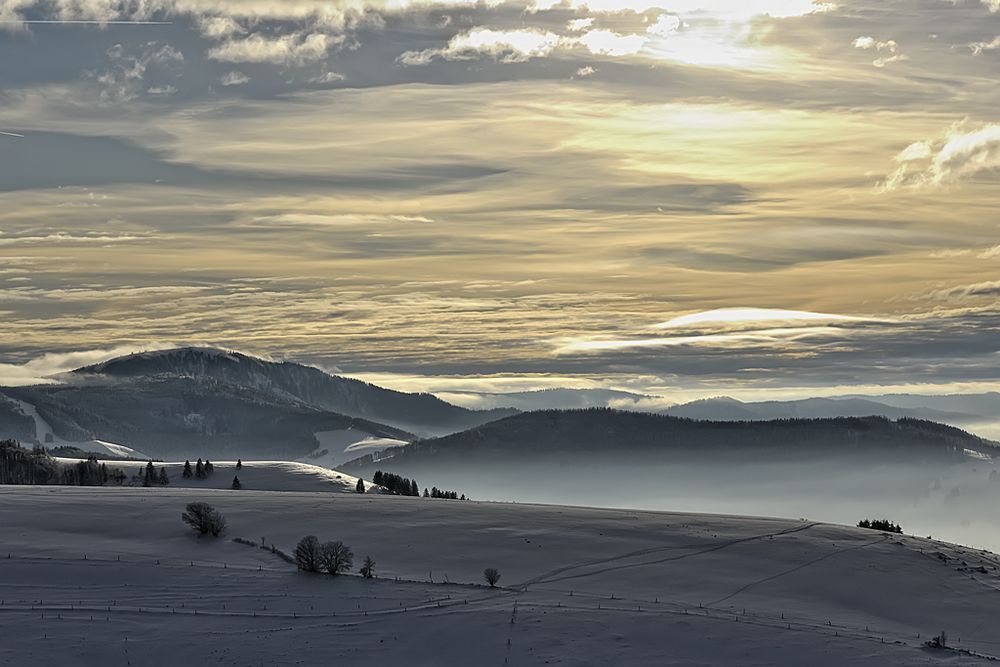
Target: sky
[700, 197]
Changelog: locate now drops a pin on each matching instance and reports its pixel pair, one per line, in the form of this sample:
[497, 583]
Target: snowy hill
[170, 417]
[111, 576]
[421, 413]
[253, 475]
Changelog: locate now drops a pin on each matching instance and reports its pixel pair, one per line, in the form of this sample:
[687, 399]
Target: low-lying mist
[956, 503]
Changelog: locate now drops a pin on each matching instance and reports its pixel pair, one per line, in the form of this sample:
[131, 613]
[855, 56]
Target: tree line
[37, 466]
[881, 524]
[202, 470]
[152, 478]
[396, 484]
[404, 486]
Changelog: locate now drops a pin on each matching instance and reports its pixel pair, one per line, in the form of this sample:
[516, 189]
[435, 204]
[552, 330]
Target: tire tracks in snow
[798, 567]
[552, 575]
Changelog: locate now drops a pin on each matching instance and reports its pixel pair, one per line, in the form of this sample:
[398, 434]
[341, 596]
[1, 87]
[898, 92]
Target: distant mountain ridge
[202, 401]
[724, 408]
[420, 413]
[579, 435]
[556, 398]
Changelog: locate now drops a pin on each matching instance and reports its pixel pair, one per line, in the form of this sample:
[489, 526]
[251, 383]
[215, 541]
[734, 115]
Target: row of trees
[152, 478]
[36, 466]
[310, 555]
[201, 470]
[400, 486]
[881, 524]
[441, 493]
[330, 557]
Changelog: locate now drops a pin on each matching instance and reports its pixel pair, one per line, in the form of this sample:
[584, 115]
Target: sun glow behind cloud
[540, 175]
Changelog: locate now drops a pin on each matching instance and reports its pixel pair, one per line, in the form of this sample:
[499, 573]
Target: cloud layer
[693, 196]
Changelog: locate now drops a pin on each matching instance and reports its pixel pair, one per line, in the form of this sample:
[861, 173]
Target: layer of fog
[956, 503]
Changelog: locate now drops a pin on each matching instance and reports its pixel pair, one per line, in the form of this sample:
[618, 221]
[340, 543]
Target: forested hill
[573, 434]
[286, 381]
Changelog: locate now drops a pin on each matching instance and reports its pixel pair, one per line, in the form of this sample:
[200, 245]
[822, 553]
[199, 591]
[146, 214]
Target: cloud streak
[959, 154]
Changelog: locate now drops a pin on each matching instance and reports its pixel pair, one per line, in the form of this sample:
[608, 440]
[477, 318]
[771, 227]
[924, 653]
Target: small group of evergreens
[880, 524]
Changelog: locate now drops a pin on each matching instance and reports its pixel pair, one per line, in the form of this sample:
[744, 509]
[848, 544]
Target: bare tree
[336, 557]
[307, 554]
[492, 576]
[204, 519]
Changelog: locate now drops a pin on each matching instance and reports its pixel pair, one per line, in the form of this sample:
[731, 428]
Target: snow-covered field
[253, 475]
[110, 576]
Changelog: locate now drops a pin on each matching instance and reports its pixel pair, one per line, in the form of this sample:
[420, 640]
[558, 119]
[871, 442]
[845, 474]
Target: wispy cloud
[42, 369]
[960, 153]
[888, 50]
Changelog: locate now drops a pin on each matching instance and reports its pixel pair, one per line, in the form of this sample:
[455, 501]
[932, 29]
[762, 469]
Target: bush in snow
[941, 641]
[492, 576]
[335, 557]
[204, 519]
[307, 554]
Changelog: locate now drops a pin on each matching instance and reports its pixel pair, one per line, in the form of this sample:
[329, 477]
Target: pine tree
[187, 470]
[377, 477]
[360, 488]
[209, 468]
[414, 489]
[163, 480]
[149, 476]
[199, 470]
[236, 484]
[368, 569]
[239, 464]
[426, 495]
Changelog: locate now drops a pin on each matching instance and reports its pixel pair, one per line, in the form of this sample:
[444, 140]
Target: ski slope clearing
[45, 435]
[110, 576]
[336, 447]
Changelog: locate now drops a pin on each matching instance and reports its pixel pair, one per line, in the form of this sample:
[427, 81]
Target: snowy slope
[45, 435]
[340, 446]
[110, 576]
[254, 475]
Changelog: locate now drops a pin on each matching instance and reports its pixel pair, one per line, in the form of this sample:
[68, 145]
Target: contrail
[12, 134]
[84, 22]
